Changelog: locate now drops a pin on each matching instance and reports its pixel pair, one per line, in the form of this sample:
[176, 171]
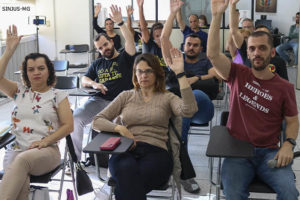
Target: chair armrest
[6, 139]
[222, 144]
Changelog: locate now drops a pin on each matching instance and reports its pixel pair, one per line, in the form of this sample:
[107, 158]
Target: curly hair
[153, 62]
[51, 79]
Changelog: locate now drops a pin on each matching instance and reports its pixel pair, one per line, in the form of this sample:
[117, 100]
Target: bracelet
[121, 23]
[199, 77]
[180, 75]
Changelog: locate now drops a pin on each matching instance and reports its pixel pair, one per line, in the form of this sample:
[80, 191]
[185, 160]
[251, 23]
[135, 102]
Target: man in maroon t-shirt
[259, 102]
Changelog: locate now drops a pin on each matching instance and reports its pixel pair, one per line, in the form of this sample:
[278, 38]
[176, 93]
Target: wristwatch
[291, 141]
[199, 77]
[180, 75]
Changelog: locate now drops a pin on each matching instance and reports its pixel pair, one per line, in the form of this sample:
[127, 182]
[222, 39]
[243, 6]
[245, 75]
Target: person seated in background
[145, 112]
[41, 117]
[293, 43]
[259, 101]
[234, 52]
[110, 74]
[276, 63]
[203, 22]
[201, 77]
[137, 35]
[192, 28]
[109, 28]
[151, 41]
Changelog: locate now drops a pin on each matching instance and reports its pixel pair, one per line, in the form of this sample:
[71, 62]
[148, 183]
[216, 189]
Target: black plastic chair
[228, 146]
[67, 82]
[60, 65]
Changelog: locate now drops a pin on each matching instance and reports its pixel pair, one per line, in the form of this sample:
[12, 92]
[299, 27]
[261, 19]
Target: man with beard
[192, 28]
[277, 65]
[259, 101]
[110, 74]
[293, 43]
[201, 77]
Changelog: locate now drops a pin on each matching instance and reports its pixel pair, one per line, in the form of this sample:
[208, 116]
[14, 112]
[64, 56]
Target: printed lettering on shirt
[109, 74]
[258, 93]
[161, 61]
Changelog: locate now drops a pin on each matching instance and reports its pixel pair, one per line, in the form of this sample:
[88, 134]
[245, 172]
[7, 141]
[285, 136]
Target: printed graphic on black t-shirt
[115, 74]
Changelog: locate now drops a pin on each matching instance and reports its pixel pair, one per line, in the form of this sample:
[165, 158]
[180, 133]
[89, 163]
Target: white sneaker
[101, 194]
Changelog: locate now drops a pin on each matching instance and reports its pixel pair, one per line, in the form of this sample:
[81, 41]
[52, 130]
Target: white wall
[72, 27]
[282, 19]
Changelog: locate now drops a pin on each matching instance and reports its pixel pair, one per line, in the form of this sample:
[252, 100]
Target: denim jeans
[204, 114]
[138, 171]
[237, 174]
[281, 50]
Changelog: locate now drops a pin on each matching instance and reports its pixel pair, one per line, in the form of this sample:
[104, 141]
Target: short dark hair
[51, 79]
[298, 13]
[194, 15]
[154, 27]
[194, 35]
[262, 26]
[247, 19]
[262, 33]
[97, 38]
[109, 19]
[154, 63]
[204, 18]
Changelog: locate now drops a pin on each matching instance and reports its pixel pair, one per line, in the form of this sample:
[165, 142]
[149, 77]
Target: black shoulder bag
[187, 169]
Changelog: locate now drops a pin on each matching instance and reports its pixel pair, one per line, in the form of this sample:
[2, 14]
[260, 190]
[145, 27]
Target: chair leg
[62, 175]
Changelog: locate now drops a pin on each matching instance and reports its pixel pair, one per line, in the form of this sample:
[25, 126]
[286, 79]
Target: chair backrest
[61, 65]
[77, 47]
[67, 82]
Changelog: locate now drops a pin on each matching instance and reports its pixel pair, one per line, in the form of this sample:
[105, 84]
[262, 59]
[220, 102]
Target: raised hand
[234, 1]
[12, 38]
[177, 61]
[218, 6]
[175, 5]
[129, 10]
[140, 3]
[97, 9]
[116, 14]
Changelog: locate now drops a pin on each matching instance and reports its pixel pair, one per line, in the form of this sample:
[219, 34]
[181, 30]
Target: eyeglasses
[247, 27]
[147, 71]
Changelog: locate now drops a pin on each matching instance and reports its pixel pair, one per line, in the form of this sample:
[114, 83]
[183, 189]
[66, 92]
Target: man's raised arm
[116, 16]
[166, 44]
[237, 36]
[221, 63]
[180, 21]
[143, 23]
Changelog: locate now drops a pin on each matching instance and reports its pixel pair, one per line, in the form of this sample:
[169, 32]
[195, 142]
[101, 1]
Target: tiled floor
[197, 149]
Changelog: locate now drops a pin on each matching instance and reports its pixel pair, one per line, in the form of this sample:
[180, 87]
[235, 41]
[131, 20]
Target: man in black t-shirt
[110, 74]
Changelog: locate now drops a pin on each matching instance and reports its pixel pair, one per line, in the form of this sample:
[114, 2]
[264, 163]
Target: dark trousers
[139, 171]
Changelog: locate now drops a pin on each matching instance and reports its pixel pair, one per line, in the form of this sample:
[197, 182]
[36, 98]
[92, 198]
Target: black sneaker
[190, 185]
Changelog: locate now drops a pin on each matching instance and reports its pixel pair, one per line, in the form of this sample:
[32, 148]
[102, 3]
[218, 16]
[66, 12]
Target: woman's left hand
[39, 144]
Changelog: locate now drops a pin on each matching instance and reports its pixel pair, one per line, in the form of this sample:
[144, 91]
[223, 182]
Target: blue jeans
[281, 50]
[238, 173]
[139, 171]
[204, 114]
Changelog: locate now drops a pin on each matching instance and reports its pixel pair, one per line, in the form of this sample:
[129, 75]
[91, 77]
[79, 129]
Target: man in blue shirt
[192, 28]
[200, 75]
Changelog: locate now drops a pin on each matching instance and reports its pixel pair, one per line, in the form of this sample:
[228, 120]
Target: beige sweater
[147, 121]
